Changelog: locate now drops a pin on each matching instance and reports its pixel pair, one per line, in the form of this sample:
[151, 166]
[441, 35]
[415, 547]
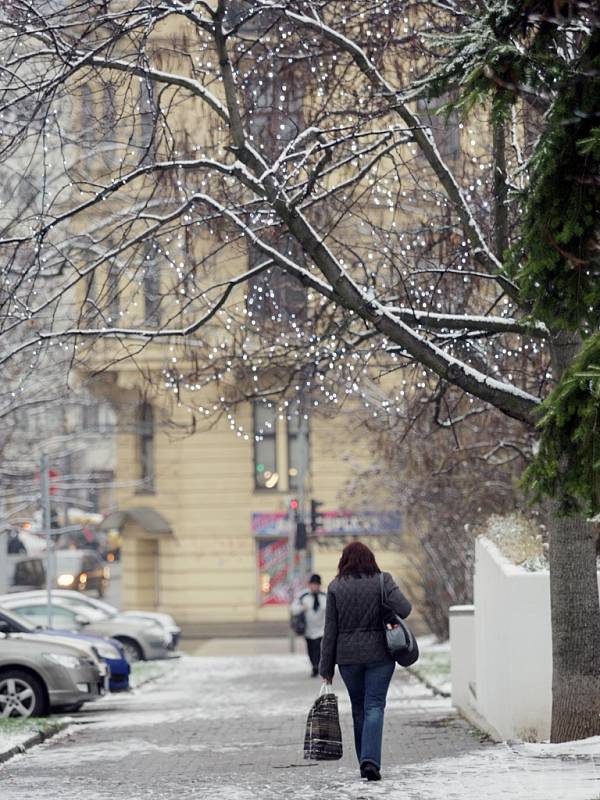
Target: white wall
[462, 658]
[513, 646]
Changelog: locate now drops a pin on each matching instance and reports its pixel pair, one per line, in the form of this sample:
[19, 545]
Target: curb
[431, 686]
[153, 678]
[34, 740]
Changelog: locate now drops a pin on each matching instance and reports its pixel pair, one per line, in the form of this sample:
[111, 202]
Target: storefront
[278, 576]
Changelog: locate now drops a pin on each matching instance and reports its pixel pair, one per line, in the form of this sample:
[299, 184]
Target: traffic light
[300, 541]
[316, 518]
[293, 509]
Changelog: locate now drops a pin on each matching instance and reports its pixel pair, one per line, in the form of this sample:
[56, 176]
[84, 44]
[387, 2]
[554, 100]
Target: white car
[141, 639]
[104, 609]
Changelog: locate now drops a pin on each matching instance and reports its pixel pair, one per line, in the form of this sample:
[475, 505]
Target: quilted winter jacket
[353, 622]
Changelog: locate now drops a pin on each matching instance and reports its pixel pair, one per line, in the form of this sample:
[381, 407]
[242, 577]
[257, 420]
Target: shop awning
[148, 519]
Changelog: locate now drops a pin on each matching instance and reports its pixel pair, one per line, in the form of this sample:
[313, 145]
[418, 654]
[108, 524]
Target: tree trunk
[575, 608]
[575, 629]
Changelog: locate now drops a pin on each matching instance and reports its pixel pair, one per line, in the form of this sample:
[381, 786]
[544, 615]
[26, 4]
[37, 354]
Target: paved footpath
[231, 728]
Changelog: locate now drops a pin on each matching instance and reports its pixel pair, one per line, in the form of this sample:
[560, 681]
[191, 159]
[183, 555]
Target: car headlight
[106, 650]
[66, 580]
[64, 660]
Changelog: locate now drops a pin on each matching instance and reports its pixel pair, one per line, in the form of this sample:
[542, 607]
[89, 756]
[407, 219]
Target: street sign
[332, 523]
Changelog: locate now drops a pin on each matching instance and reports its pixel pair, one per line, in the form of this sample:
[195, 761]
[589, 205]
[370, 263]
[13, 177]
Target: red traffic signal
[52, 476]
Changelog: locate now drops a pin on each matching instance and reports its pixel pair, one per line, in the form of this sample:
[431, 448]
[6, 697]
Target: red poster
[273, 568]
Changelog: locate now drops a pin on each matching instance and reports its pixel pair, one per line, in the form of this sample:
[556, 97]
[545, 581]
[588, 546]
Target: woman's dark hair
[357, 559]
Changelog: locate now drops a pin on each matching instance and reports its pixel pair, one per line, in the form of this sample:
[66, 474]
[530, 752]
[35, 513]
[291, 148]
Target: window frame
[290, 436]
[146, 448]
[270, 436]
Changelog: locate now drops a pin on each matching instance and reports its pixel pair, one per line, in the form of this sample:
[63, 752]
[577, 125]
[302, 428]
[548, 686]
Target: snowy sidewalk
[231, 728]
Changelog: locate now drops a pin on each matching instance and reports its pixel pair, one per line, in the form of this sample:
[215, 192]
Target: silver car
[141, 639]
[77, 599]
[39, 676]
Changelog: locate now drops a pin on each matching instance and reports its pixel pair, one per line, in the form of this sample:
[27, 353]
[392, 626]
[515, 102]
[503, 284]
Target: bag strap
[381, 588]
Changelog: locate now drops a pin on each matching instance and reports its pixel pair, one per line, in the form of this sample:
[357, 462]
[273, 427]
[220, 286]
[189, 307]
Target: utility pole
[46, 522]
[297, 511]
[302, 478]
[4, 577]
[291, 558]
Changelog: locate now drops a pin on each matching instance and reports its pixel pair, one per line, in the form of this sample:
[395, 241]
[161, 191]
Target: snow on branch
[469, 322]
[422, 135]
[144, 333]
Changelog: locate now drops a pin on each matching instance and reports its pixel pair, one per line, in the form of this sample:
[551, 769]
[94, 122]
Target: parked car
[82, 570]
[104, 609]
[25, 572]
[166, 620]
[109, 651]
[37, 676]
[141, 640]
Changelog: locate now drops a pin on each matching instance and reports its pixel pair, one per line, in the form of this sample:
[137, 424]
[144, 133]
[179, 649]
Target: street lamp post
[46, 527]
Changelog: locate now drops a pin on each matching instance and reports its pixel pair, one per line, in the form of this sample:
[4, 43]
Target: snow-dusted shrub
[519, 538]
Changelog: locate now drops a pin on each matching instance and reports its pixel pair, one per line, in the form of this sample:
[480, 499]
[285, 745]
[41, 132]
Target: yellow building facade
[205, 515]
[208, 544]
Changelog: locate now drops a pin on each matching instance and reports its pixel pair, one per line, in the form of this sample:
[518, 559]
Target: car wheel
[133, 652]
[21, 695]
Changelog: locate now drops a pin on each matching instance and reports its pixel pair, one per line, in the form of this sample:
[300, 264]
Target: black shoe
[314, 672]
[370, 771]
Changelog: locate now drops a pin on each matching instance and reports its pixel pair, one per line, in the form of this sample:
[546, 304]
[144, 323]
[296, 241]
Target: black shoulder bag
[400, 640]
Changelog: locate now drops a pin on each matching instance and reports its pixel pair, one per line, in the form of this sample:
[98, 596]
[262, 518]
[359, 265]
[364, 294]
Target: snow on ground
[434, 663]
[517, 772]
[501, 772]
[16, 732]
[231, 729]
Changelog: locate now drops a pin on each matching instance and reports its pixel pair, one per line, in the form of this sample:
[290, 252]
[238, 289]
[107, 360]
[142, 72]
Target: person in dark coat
[15, 545]
[354, 639]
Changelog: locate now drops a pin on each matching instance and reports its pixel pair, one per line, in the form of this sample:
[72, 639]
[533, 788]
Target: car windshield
[100, 605]
[78, 601]
[38, 614]
[18, 618]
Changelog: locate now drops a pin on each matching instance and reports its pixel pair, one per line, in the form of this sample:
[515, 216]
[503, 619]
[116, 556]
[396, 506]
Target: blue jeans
[367, 686]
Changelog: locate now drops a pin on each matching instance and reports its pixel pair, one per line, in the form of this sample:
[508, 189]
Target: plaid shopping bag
[323, 738]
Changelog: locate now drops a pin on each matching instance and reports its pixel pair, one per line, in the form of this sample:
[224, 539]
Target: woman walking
[354, 639]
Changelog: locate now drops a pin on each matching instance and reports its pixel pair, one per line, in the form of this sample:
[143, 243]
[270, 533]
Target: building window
[113, 293]
[294, 449]
[147, 116]
[445, 127]
[146, 446]
[274, 116]
[151, 289]
[278, 449]
[109, 127]
[90, 416]
[266, 475]
[275, 295]
[88, 121]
